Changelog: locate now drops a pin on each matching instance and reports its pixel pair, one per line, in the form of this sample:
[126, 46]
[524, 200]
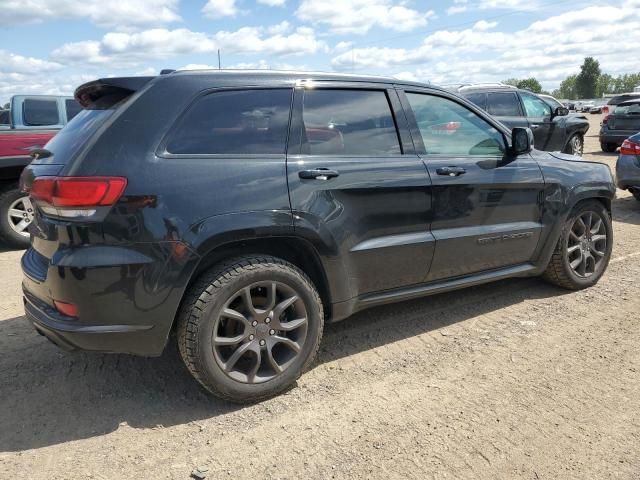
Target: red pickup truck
[29, 123]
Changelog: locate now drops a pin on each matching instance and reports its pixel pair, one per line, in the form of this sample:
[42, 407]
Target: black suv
[243, 210]
[554, 128]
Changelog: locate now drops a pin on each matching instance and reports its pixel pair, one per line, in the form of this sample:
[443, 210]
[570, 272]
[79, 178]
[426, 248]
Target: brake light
[605, 110]
[76, 196]
[605, 119]
[629, 148]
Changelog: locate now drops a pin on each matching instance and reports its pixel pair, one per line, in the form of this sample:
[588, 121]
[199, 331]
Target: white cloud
[121, 49]
[220, 8]
[273, 3]
[549, 49]
[12, 63]
[281, 27]
[359, 16]
[456, 9]
[105, 13]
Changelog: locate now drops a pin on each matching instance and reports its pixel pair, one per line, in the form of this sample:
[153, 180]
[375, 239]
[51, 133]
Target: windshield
[552, 102]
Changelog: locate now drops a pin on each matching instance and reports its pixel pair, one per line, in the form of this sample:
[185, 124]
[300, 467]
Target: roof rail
[472, 86]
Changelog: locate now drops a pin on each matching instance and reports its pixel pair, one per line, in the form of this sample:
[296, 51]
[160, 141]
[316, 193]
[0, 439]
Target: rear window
[622, 98]
[72, 107]
[628, 109]
[503, 104]
[348, 122]
[234, 122]
[68, 142]
[4, 117]
[38, 112]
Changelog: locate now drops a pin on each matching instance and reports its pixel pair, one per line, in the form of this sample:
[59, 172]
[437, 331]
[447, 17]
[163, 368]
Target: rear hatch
[626, 117]
[64, 215]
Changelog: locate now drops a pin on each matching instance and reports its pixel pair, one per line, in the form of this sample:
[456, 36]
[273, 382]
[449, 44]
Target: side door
[548, 133]
[356, 181]
[486, 206]
[506, 107]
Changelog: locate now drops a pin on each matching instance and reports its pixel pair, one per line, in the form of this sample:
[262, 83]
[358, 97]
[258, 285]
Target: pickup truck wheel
[584, 248]
[248, 328]
[16, 214]
[575, 146]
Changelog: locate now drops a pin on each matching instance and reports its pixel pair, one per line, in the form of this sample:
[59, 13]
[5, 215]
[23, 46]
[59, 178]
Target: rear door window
[234, 122]
[480, 99]
[503, 104]
[72, 108]
[534, 106]
[348, 122]
[39, 112]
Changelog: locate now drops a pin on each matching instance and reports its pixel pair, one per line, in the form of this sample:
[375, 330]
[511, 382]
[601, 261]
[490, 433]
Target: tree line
[589, 83]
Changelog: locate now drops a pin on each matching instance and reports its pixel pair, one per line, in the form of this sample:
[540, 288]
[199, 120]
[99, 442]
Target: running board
[444, 286]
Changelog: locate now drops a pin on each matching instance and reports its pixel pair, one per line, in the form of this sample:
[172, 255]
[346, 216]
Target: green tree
[567, 88]
[530, 84]
[511, 81]
[605, 84]
[587, 79]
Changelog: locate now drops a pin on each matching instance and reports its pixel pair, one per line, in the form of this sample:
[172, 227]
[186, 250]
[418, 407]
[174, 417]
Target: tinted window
[535, 107]
[39, 112]
[449, 128]
[503, 104]
[4, 117]
[72, 107]
[348, 122]
[235, 122]
[480, 99]
[552, 102]
[628, 108]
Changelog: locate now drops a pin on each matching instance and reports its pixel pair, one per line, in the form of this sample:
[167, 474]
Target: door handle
[318, 174]
[534, 126]
[451, 171]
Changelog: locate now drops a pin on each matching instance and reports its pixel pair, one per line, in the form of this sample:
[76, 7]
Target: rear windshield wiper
[40, 153]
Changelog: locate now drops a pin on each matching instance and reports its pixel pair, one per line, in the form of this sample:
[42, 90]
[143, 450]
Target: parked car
[554, 128]
[596, 109]
[243, 210]
[619, 125]
[610, 107]
[628, 166]
[586, 107]
[30, 122]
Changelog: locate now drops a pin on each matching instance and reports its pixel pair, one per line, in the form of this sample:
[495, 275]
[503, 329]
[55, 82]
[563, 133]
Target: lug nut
[262, 342]
[254, 323]
[251, 337]
[267, 320]
[272, 331]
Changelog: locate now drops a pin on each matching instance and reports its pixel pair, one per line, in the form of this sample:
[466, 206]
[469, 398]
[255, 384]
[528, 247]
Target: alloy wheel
[260, 332]
[20, 215]
[587, 245]
[577, 146]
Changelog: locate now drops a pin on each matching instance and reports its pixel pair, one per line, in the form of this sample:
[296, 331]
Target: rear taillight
[605, 110]
[629, 148]
[605, 119]
[76, 196]
[68, 309]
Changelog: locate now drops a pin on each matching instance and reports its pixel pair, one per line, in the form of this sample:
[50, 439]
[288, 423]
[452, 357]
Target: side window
[72, 107]
[348, 122]
[480, 99]
[503, 104]
[234, 122]
[449, 128]
[535, 107]
[40, 112]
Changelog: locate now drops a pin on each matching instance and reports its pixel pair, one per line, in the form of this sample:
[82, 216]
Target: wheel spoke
[598, 238]
[596, 228]
[283, 305]
[235, 356]
[26, 201]
[581, 221]
[573, 248]
[272, 361]
[288, 342]
[271, 297]
[235, 315]
[16, 213]
[574, 236]
[248, 301]
[582, 269]
[596, 252]
[292, 324]
[251, 375]
[575, 263]
[225, 341]
[20, 226]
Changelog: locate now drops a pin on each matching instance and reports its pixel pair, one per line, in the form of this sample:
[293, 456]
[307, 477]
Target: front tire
[16, 214]
[584, 248]
[248, 328]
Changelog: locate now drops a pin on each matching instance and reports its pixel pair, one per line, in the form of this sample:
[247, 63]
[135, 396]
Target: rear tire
[249, 327]
[582, 253]
[575, 145]
[608, 147]
[12, 202]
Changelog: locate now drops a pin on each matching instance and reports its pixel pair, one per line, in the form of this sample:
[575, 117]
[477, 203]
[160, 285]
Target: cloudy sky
[51, 46]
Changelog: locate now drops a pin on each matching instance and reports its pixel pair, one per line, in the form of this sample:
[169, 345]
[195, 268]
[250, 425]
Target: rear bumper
[126, 297]
[627, 172]
[615, 136]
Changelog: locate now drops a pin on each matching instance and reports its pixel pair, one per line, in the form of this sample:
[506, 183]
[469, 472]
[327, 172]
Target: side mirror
[521, 140]
[561, 112]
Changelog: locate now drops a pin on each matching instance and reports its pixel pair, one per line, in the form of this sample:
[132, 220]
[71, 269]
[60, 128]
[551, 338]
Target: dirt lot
[515, 379]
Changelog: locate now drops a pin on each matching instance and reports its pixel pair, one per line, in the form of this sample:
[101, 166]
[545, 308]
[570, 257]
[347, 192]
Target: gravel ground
[515, 379]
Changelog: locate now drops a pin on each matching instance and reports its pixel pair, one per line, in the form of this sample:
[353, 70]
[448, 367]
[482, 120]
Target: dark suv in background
[554, 128]
[243, 210]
